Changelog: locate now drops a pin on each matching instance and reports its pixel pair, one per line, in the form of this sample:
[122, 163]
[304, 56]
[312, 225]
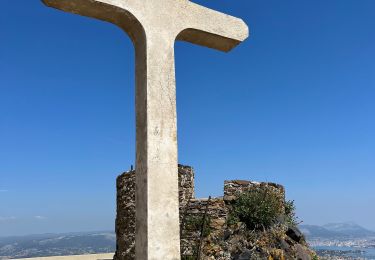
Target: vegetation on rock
[261, 224]
[258, 208]
[290, 213]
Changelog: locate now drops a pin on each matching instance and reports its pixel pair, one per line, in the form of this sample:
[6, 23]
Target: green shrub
[258, 208]
[290, 213]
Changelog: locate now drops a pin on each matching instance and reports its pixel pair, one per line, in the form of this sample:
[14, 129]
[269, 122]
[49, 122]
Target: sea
[353, 252]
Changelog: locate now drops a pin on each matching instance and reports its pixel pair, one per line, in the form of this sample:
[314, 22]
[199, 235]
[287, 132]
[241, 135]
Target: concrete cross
[154, 26]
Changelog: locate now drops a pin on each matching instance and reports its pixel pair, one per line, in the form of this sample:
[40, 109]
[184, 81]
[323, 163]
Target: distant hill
[105, 242]
[57, 244]
[313, 231]
[349, 228]
[336, 231]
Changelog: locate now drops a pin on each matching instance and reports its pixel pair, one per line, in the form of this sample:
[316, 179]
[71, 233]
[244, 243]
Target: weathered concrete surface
[75, 257]
[153, 26]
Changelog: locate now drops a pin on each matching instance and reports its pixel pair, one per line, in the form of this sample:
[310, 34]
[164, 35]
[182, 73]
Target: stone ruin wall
[217, 209]
[125, 219]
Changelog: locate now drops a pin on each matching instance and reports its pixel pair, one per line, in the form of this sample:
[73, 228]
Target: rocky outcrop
[207, 229]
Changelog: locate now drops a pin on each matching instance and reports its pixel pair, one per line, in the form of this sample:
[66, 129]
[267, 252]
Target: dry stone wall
[125, 219]
[234, 188]
[207, 215]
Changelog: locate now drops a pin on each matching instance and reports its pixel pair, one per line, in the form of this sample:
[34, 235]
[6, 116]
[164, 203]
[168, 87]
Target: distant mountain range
[105, 242]
[332, 231]
[57, 244]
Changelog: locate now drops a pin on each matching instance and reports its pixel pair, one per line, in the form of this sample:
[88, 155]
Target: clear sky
[294, 105]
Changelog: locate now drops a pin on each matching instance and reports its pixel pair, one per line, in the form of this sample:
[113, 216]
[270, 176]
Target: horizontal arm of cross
[200, 25]
[213, 29]
[105, 10]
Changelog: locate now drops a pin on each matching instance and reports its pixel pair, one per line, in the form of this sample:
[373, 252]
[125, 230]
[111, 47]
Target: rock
[241, 182]
[228, 198]
[295, 234]
[284, 245]
[302, 253]
[245, 255]
[227, 234]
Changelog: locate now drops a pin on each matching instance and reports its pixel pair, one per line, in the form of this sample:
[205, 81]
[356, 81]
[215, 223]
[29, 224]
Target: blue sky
[294, 105]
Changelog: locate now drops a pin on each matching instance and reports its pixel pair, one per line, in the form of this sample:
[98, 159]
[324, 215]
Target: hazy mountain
[336, 231]
[105, 242]
[349, 228]
[313, 231]
[57, 244]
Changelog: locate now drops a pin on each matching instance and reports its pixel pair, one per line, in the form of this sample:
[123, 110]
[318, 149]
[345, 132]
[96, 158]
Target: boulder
[295, 234]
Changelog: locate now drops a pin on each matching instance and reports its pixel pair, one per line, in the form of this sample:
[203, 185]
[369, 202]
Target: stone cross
[154, 26]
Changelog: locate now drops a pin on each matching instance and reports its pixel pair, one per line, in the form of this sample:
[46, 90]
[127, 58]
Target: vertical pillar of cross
[157, 207]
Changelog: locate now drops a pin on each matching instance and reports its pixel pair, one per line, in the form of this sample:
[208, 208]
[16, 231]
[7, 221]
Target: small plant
[232, 219]
[195, 222]
[290, 213]
[258, 208]
[207, 227]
